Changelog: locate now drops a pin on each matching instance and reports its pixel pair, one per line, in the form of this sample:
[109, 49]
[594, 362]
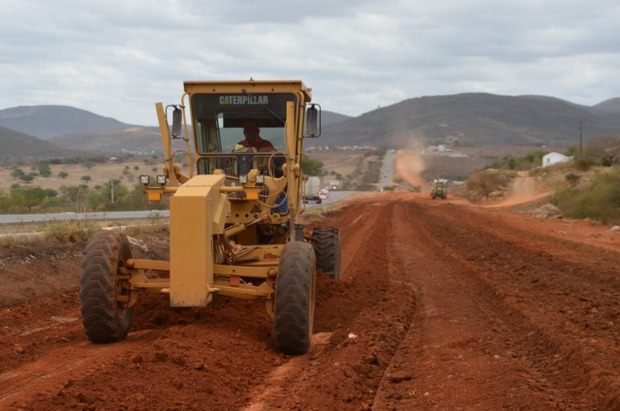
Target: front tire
[105, 300]
[294, 298]
[326, 244]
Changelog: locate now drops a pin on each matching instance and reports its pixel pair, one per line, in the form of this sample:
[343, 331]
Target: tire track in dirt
[559, 360]
[366, 321]
[449, 329]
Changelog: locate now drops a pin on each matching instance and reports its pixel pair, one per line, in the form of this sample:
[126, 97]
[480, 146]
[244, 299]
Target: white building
[552, 158]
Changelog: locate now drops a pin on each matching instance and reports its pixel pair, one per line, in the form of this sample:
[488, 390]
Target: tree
[120, 192]
[311, 167]
[88, 163]
[603, 149]
[34, 196]
[511, 163]
[98, 198]
[5, 203]
[28, 197]
[63, 174]
[74, 195]
[51, 193]
[27, 177]
[44, 169]
[17, 172]
[85, 179]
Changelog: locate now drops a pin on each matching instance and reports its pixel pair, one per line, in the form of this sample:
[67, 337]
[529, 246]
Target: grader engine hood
[197, 211]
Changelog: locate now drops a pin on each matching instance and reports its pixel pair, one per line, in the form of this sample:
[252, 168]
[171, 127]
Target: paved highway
[126, 215]
[387, 171]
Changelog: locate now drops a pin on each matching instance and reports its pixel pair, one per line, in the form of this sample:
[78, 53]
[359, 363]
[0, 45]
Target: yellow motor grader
[235, 215]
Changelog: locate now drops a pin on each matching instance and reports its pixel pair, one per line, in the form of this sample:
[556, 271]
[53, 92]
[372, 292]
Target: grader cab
[236, 224]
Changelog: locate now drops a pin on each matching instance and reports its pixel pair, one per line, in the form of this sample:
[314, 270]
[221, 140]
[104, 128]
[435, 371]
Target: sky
[116, 58]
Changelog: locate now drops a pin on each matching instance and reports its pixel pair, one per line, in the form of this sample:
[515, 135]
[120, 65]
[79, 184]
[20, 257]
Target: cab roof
[248, 86]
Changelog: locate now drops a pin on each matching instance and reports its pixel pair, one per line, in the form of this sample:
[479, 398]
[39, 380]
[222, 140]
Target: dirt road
[442, 306]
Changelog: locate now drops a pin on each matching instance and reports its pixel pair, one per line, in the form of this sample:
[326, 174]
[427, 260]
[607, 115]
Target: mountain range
[469, 119]
[478, 120]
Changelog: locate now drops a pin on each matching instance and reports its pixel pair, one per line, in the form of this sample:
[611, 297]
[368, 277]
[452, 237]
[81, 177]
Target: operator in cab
[253, 141]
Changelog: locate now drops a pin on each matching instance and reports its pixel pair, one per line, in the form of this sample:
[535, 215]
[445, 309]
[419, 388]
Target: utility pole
[112, 190]
[581, 139]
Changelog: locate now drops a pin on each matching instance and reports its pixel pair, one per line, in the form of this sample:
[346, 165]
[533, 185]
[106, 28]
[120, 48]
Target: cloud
[116, 58]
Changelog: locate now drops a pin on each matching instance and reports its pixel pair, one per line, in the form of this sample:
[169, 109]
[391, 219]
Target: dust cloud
[409, 163]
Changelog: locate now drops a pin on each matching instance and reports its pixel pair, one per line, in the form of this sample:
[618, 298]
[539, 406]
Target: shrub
[572, 178]
[44, 169]
[70, 231]
[17, 173]
[484, 182]
[584, 164]
[599, 201]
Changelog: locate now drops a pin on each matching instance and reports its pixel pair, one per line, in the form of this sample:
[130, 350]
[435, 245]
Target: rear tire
[104, 296]
[294, 299]
[326, 244]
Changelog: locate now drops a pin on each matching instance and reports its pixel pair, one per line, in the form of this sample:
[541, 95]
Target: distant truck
[313, 185]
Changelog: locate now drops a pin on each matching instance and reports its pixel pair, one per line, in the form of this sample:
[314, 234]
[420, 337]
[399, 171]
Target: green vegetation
[18, 173]
[79, 160]
[44, 169]
[113, 196]
[603, 150]
[483, 183]
[70, 231]
[311, 167]
[572, 178]
[579, 197]
[599, 201]
[526, 162]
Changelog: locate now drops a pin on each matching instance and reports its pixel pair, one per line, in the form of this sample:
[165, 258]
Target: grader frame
[236, 224]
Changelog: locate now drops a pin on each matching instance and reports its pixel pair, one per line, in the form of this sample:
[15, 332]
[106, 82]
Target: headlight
[260, 179]
[243, 179]
[145, 180]
[161, 180]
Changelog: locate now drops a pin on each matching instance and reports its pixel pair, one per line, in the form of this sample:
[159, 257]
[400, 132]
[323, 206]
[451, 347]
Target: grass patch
[599, 201]
[151, 225]
[321, 212]
[70, 231]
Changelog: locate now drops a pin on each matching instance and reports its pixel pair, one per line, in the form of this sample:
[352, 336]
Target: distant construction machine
[440, 189]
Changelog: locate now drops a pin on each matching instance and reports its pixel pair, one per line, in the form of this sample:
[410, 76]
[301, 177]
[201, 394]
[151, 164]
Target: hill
[75, 129]
[609, 106]
[49, 121]
[139, 140]
[135, 140]
[329, 118]
[475, 120]
[19, 146]
[468, 120]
